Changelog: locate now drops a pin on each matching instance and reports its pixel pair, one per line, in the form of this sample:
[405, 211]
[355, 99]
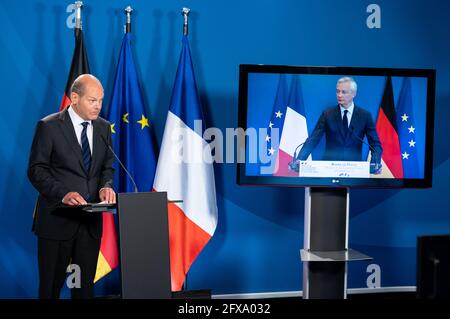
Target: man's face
[88, 105]
[344, 94]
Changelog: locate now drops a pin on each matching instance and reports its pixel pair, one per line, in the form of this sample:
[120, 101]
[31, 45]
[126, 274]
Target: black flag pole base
[192, 294]
[184, 293]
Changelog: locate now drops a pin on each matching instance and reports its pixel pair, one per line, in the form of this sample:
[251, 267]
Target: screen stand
[326, 253]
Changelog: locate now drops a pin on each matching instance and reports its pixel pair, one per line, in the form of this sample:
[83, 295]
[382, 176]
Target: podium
[326, 253]
[143, 241]
[144, 245]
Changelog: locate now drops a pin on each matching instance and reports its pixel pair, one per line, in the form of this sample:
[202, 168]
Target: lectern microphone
[120, 162]
[375, 168]
[294, 165]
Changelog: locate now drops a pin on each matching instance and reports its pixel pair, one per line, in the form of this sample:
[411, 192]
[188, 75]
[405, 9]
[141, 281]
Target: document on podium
[101, 207]
[342, 169]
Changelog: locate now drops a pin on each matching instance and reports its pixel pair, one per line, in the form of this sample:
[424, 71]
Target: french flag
[295, 130]
[185, 172]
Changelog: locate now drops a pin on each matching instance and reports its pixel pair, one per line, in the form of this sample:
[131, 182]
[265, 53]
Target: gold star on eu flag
[143, 122]
[112, 128]
[125, 118]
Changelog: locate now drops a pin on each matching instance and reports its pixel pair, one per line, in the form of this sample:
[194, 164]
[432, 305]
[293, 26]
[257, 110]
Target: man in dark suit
[70, 164]
[345, 127]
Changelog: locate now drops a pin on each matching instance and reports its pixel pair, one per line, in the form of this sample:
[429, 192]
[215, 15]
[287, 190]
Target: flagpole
[128, 11]
[185, 14]
[78, 22]
[79, 64]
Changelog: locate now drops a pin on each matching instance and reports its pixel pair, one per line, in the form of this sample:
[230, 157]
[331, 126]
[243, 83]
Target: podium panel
[144, 245]
[339, 169]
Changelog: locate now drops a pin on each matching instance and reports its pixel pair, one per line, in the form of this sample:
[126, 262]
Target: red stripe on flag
[64, 103]
[109, 243]
[391, 146]
[282, 165]
[186, 241]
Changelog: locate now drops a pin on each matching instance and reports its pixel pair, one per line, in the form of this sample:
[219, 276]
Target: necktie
[345, 122]
[85, 147]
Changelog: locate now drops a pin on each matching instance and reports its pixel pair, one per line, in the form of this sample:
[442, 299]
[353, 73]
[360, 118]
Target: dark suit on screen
[339, 145]
[55, 169]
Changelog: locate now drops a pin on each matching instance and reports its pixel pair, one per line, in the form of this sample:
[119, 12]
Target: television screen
[336, 126]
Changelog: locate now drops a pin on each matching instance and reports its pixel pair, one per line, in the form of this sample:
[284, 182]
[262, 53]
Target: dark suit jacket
[339, 146]
[56, 168]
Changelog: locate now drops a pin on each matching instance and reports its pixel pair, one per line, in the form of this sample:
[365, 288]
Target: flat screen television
[336, 126]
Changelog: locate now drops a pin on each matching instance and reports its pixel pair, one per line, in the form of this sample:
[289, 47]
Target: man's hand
[294, 166]
[73, 198]
[107, 195]
[376, 169]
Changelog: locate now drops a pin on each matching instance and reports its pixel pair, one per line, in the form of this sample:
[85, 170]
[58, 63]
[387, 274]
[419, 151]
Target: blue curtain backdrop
[260, 230]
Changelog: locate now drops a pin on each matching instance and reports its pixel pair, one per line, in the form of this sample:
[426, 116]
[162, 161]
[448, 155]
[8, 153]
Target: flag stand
[189, 175]
[325, 254]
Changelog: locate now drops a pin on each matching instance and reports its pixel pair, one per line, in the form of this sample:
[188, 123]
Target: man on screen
[345, 127]
[70, 165]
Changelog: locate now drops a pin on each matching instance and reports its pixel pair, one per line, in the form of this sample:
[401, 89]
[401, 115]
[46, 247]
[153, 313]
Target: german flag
[387, 131]
[108, 257]
[79, 65]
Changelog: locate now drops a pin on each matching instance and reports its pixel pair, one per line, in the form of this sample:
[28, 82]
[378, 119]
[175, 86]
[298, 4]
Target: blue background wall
[260, 230]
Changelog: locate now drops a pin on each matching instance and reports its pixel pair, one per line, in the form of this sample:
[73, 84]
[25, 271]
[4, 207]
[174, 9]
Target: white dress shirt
[77, 122]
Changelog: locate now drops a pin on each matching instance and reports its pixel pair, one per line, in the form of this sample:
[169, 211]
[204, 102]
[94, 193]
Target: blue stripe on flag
[185, 90]
[296, 97]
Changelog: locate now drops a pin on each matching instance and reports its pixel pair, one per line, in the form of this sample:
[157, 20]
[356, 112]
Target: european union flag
[277, 117]
[406, 132]
[276, 120]
[131, 126]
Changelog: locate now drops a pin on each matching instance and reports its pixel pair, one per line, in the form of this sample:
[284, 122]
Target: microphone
[295, 156]
[375, 168]
[120, 162]
[294, 164]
